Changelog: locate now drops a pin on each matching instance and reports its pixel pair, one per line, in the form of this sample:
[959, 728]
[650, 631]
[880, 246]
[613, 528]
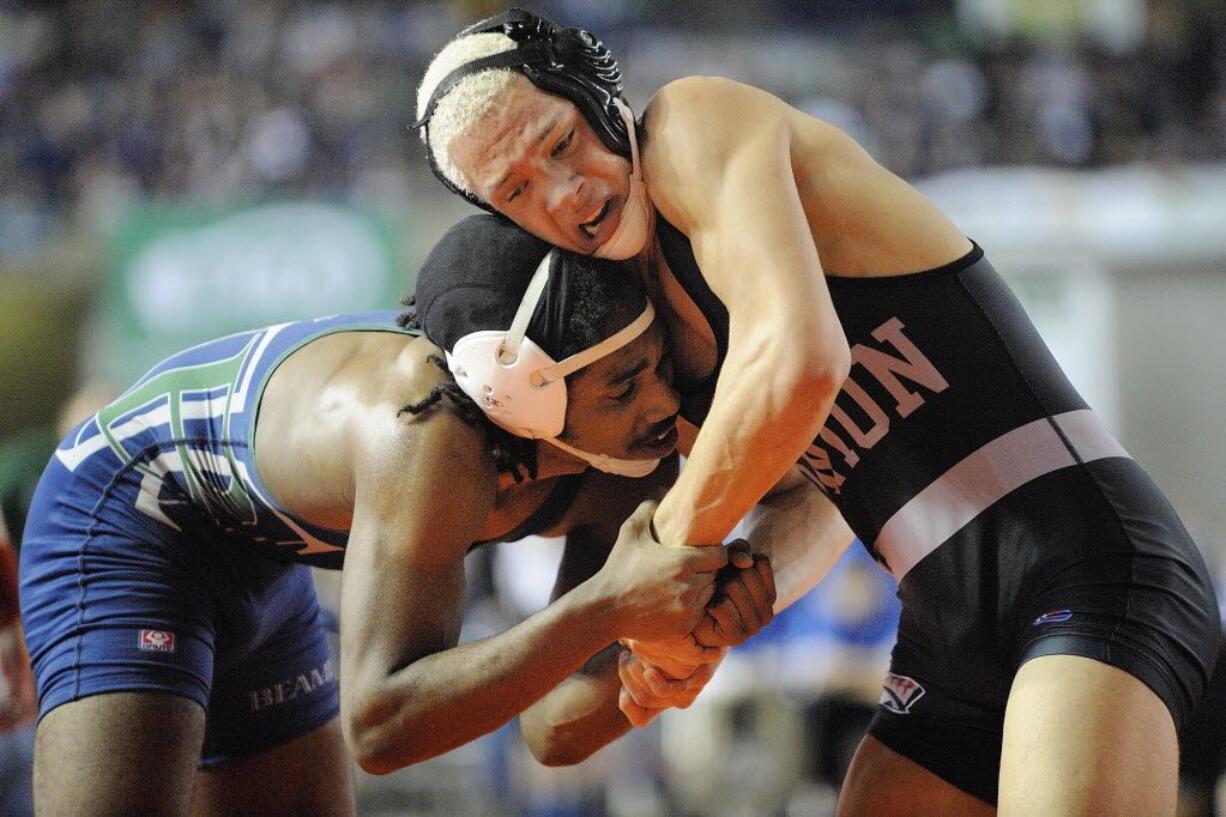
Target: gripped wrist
[595, 604]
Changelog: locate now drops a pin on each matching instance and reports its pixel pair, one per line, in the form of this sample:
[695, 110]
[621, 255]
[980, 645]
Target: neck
[553, 462]
[550, 464]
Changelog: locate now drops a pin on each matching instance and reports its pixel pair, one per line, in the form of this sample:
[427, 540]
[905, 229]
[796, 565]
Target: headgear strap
[522, 389]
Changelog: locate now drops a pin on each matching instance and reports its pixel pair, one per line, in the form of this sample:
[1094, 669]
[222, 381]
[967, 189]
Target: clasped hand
[670, 672]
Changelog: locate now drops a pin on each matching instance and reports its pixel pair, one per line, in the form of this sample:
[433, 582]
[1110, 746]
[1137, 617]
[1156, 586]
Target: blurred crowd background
[172, 171]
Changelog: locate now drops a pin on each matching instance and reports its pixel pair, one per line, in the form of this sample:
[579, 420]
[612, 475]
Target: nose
[664, 401]
[565, 187]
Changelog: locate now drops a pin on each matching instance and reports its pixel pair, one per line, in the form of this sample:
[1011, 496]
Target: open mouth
[590, 228]
[663, 437]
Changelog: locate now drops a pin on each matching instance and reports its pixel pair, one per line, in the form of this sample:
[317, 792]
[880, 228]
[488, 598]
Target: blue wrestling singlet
[146, 560]
[187, 428]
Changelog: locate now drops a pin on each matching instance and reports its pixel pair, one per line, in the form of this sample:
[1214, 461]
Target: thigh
[1085, 738]
[310, 775]
[111, 606]
[118, 754]
[884, 783]
[274, 678]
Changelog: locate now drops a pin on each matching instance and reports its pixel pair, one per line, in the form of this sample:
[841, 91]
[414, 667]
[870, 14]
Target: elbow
[562, 758]
[817, 368]
[372, 754]
[555, 742]
[366, 746]
[828, 372]
[554, 750]
[376, 755]
[377, 765]
[377, 746]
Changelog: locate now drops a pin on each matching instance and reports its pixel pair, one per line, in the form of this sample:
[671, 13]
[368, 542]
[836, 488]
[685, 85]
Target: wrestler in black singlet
[1017, 526]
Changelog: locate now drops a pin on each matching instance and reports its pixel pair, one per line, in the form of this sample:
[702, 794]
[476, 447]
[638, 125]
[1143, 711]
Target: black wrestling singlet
[952, 401]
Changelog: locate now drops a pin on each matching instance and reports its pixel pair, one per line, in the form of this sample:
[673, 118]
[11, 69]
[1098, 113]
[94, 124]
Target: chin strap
[634, 228]
[610, 465]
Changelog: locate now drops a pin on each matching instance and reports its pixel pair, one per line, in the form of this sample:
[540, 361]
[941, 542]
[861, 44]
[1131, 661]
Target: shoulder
[710, 112]
[418, 417]
[710, 94]
[698, 130]
[704, 118]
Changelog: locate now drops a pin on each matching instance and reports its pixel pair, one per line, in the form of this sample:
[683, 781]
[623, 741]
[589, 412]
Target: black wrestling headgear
[498, 302]
[474, 278]
[566, 62]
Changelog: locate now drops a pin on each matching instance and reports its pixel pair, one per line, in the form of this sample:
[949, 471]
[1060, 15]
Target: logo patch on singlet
[156, 641]
[284, 690]
[899, 693]
[1053, 617]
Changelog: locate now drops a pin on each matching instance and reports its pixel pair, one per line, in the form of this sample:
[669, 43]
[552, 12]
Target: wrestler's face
[534, 158]
[624, 404]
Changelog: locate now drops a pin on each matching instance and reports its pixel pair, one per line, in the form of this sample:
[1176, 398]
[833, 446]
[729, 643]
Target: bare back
[339, 402]
[316, 404]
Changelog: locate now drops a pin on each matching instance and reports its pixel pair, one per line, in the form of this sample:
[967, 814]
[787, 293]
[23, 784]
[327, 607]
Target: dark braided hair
[607, 296]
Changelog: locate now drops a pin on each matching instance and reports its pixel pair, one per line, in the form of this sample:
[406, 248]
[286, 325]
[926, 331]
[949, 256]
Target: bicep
[421, 500]
[723, 174]
[396, 606]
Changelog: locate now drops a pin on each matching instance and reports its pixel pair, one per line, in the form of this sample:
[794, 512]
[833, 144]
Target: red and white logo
[899, 693]
[156, 641]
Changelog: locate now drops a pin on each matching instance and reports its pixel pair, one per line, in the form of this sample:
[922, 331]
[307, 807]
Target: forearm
[768, 408]
[579, 716]
[802, 533]
[447, 698]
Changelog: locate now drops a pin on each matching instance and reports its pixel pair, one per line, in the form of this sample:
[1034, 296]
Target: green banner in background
[181, 276]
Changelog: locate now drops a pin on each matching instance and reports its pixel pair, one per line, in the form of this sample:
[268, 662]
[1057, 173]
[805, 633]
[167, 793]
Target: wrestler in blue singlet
[156, 560]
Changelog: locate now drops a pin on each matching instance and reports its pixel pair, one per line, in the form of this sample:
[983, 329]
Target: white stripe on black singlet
[980, 480]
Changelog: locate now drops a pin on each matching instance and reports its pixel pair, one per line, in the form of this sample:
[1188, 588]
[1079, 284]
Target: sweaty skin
[763, 192]
[416, 492]
[773, 201]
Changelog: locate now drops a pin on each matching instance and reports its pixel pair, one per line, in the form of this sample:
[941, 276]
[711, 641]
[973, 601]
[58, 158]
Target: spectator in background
[17, 699]
[22, 459]
[108, 102]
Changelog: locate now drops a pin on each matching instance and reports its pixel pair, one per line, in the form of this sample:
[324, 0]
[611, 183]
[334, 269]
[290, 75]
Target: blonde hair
[467, 101]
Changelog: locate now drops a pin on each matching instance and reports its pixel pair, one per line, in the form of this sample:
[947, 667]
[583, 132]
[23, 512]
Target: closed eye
[563, 144]
[516, 192]
[624, 395]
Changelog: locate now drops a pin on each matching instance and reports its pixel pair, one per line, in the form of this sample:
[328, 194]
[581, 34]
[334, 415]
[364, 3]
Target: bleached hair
[466, 102]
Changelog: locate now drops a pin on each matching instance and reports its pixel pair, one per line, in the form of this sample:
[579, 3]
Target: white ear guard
[518, 385]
